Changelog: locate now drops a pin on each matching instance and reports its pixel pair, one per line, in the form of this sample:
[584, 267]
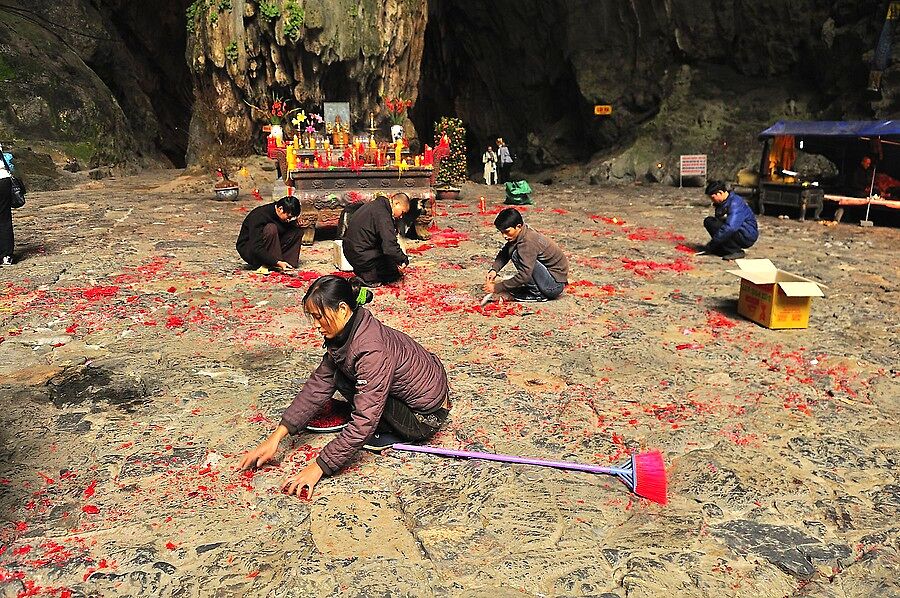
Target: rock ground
[138, 359]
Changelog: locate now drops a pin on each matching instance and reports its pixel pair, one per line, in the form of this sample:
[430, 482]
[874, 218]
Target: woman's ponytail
[362, 293]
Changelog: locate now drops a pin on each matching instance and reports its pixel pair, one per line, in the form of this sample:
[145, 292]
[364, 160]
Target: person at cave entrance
[489, 159]
[733, 227]
[397, 391]
[270, 235]
[542, 268]
[370, 242]
[505, 160]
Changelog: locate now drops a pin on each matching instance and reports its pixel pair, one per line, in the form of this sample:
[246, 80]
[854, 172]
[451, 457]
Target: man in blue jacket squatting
[733, 228]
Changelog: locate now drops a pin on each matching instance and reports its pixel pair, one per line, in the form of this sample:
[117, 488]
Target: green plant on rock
[270, 10]
[231, 51]
[294, 20]
[195, 9]
[224, 5]
[213, 18]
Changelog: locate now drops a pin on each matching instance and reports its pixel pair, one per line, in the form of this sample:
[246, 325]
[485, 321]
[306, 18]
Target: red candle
[429, 156]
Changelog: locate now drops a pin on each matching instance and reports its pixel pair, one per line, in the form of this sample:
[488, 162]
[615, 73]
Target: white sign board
[692, 165]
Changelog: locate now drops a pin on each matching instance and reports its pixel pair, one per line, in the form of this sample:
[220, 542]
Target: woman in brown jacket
[396, 388]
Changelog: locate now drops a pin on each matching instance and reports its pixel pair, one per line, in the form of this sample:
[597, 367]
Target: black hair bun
[362, 293]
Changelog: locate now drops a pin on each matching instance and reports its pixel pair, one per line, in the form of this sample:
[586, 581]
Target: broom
[643, 474]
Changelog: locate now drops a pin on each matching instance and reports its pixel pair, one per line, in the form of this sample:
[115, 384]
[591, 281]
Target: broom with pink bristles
[643, 473]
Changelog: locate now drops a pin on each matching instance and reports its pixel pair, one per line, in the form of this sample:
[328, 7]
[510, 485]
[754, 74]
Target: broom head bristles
[650, 476]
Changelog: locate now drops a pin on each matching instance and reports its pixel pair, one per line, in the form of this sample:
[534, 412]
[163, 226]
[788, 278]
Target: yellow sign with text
[602, 110]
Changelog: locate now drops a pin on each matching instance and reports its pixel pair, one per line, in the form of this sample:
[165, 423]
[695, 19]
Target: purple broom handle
[433, 450]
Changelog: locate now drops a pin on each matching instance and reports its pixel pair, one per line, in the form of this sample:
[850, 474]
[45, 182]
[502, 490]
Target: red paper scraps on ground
[171, 546]
[645, 268]
[171, 289]
[653, 234]
[685, 346]
[174, 322]
[685, 249]
[90, 509]
[89, 491]
[717, 320]
[97, 293]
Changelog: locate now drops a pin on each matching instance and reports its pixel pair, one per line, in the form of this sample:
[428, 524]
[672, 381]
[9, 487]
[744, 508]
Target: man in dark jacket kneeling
[370, 243]
[733, 228]
[270, 236]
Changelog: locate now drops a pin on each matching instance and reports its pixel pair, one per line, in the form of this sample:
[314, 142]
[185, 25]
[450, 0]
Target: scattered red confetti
[171, 546]
[171, 289]
[89, 491]
[645, 267]
[174, 322]
[684, 346]
[97, 293]
[90, 509]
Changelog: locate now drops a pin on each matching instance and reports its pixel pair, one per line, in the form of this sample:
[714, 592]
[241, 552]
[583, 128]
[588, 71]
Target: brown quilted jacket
[383, 362]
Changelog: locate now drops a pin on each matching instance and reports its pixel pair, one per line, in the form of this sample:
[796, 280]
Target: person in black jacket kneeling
[370, 243]
[270, 235]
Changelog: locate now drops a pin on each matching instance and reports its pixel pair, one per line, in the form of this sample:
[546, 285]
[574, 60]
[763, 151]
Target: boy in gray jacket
[541, 267]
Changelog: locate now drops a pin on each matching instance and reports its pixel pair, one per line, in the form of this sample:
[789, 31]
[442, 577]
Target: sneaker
[333, 417]
[6, 261]
[734, 256]
[381, 441]
[528, 297]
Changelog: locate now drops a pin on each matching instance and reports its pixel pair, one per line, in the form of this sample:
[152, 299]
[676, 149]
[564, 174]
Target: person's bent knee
[270, 231]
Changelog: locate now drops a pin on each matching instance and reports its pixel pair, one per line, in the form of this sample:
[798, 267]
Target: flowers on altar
[312, 119]
[397, 108]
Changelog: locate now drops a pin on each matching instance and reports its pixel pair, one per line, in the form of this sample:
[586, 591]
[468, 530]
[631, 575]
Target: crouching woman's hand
[265, 451]
[308, 478]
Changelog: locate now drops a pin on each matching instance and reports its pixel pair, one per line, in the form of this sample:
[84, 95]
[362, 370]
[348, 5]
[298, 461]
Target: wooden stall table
[325, 192]
[791, 195]
[844, 201]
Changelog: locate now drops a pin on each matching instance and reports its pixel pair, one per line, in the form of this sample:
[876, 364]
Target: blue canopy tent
[834, 128]
[843, 142]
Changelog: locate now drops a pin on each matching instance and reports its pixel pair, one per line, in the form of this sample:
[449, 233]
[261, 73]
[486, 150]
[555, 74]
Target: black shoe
[734, 256]
[380, 441]
[527, 297]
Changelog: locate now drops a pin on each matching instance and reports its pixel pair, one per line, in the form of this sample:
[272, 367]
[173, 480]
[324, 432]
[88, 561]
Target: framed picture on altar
[333, 109]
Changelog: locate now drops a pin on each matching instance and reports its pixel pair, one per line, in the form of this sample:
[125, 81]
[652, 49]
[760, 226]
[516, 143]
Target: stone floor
[138, 360]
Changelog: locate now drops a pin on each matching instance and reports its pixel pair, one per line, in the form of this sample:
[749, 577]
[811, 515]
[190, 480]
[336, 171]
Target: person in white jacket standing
[489, 158]
[6, 226]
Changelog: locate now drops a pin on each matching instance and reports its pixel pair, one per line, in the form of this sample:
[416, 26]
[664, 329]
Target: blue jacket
[738, 218]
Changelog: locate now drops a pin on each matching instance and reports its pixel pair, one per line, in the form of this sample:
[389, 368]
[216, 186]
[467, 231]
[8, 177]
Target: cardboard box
[337, 257]
[772, 297]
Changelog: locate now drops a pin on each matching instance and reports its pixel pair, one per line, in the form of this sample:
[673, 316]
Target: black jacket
[250, 242]
[371, 235]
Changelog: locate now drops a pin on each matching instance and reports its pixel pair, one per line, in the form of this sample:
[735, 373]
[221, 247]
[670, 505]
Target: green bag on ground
[518, 193]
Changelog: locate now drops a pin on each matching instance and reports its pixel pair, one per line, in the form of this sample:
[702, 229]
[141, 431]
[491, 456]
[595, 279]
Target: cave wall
[107, 80]
[532, 71]
[95, 80]
[306, 51]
